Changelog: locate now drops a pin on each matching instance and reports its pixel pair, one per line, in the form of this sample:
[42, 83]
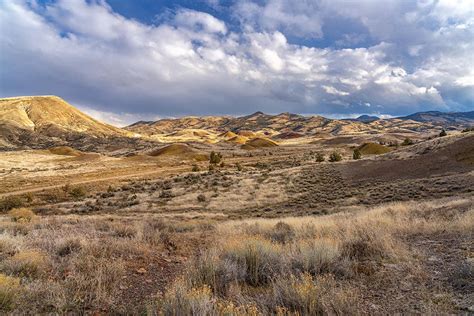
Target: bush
[10, 202]
[407, 142]
[282, 233]
[21, 215]
[443, 133]
[201, 198]
[335, 156]
[258, 260]
[211, 167]
[183, 301]
[77, 193]
[304, 295]
[68, 247]
[215, 158]
[356, 154]
[9, 290]
[28, 263]
[320, 256]
[320, 157]
[195, 168]
[239, 167]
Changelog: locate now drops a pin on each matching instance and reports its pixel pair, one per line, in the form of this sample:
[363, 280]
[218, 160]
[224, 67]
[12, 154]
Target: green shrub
[320, 157]
[356, 154]
[239, 167]
[215, 158]
[10, 202]
[335, 156]
[195, 168]
[77, 193]
[407, 142]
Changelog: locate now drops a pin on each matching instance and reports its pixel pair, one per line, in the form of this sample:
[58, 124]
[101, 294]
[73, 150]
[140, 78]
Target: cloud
[194, 63]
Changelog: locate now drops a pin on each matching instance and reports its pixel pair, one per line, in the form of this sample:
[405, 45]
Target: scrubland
[371, 260]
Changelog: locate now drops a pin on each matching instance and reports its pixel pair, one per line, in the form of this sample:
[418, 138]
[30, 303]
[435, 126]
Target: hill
[42, 121]
[289, 125]
[442, 118]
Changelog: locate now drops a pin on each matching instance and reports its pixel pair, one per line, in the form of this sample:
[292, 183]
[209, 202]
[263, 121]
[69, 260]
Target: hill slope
[40, 121]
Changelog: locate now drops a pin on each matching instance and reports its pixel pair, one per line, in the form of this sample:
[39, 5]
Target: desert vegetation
[322, 265]
[333, 264]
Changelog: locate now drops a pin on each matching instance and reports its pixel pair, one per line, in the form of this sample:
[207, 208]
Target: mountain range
[41, 121]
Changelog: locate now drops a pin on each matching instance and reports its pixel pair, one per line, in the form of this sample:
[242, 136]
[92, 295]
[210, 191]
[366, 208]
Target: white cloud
[192, 63]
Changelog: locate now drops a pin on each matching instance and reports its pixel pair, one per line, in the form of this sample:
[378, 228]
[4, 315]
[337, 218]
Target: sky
[122, 61]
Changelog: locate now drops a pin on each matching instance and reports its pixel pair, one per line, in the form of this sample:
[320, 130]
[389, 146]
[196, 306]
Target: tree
[215, 158]
[443, 133]
[320, 157]
[356, 154]
[335, 156]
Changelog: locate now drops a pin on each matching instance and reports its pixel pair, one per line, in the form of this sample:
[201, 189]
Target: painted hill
[294, 124]
[42, 121]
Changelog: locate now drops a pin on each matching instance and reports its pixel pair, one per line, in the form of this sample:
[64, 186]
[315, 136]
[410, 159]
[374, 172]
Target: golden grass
[301, 264]
[21, 215]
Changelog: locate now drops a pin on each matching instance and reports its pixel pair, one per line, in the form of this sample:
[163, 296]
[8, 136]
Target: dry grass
[282, 266]
[307, 265]
[21, 215]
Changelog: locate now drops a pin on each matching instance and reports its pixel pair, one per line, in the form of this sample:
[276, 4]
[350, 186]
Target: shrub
[356, 154]
[124, 230]
[407, 142]
[181, 300]
[68, 247]
[78, 193]
[211, 167]
[21, 215]
[215, 158]
[28, 263]
[10, 202]
[257, 258]
[443, 133]
[320, 256]
[195, 168]
[335, 156]
[239, 167]
[305, 295]
[222, 164]
[320, 157]
[9, 290]
[282, 233]
[201, 198]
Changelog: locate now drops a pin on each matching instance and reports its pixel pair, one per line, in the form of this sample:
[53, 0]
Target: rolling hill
[42, 121]
[288, 123]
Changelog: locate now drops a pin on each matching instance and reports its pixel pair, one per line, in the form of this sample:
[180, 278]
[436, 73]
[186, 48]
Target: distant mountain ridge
[289, 122]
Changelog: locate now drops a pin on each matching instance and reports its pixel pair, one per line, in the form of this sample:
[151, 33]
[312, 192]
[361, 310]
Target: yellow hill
[51, 115]
[182, 151]
[238, 139]
[228, 135]
[65, 150]
[373, 149]
[259, 142]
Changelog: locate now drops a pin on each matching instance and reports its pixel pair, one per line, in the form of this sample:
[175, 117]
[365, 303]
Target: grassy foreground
[346, 263]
